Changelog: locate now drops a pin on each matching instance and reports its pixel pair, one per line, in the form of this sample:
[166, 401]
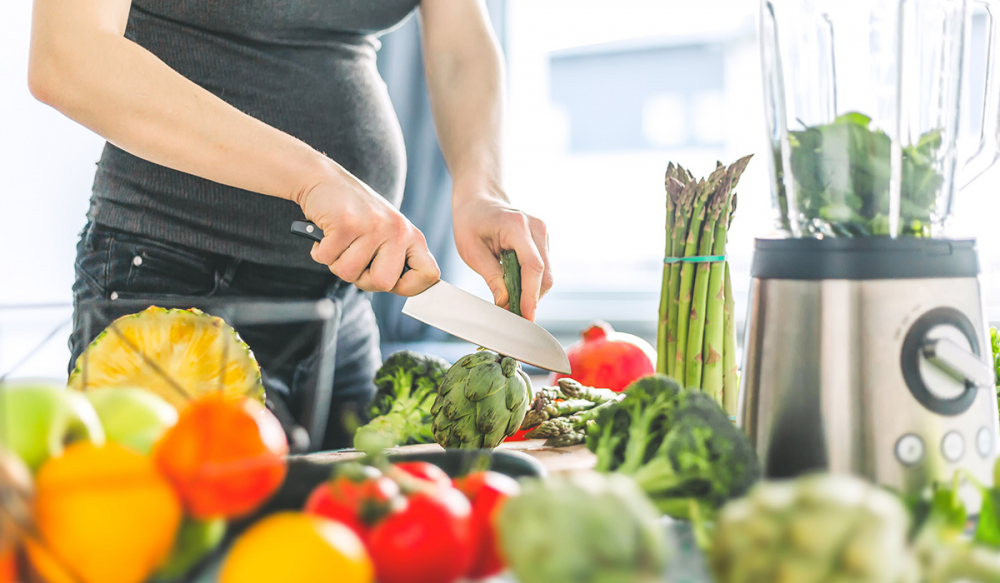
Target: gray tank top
[306, 67]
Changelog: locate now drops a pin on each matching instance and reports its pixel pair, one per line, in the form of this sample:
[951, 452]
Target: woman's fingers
[424, 271]
[385, 269]
[355, 259]
[539, 233]
[335, 242]
[483, 261]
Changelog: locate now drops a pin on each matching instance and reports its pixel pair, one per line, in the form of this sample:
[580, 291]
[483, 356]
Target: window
[600, 101]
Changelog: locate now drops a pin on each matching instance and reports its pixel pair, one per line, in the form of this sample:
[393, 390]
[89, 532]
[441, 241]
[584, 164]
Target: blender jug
[862, 102]
[866, 349]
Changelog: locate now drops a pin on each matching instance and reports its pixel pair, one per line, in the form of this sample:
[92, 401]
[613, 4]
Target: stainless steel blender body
[869, 356]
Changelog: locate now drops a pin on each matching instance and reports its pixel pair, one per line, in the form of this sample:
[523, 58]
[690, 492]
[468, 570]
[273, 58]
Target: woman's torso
[306, 67]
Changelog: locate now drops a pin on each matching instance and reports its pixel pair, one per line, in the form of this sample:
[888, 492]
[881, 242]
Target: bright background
[602, 95]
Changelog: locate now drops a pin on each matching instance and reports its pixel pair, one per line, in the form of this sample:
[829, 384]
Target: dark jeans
[118, 271]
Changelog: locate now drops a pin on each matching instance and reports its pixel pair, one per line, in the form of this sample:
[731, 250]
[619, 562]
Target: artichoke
[481, 401]
[582, 528]
[819, 528]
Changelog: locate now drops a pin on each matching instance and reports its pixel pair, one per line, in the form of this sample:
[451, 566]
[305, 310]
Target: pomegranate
[607, 359]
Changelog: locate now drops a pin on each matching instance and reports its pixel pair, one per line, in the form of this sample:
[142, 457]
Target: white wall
[46, 169]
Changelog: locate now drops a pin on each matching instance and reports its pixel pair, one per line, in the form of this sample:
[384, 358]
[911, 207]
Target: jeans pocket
[143, 268]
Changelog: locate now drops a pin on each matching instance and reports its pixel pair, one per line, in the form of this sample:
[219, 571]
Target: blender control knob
[941, 362]
[984, 442]
[953, 446]
[909, 449]
[957, 361]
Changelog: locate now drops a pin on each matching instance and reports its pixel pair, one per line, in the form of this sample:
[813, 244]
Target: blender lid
[864, 258]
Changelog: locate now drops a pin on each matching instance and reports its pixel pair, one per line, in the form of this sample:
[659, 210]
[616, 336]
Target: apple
[195, 540]
[37, 419]
[132, 417]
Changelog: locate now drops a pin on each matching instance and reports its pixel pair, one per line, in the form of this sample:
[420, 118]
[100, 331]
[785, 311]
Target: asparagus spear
[706, 188]
[663, 323]
[552, 428]
[699, 293]
[682, 218]
[567, 407]
[574, 390]
[712, 375]
[730, 382]
[567, 439]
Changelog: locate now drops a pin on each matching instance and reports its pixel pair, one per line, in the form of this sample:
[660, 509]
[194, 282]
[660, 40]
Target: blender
[866, 349]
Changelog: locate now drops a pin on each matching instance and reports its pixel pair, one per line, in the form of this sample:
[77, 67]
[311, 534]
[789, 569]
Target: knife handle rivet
[310, 228]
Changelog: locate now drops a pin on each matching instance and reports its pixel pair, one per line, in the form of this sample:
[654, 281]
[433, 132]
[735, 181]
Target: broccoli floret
[407, 384]
[407, 380]
[679, 445]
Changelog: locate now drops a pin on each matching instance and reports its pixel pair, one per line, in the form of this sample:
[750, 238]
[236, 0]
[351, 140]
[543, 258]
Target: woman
[228, 119]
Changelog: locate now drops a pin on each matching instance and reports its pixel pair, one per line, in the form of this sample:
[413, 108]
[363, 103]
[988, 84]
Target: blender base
[840, 371]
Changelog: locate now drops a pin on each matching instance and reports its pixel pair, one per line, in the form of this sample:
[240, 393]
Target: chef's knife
[474, 319]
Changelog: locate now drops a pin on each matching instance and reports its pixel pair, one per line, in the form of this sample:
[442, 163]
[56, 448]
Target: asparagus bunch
[570, 430]
[696, 341]
[560, 414]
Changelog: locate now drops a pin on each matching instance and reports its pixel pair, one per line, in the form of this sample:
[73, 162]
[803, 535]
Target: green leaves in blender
[841, 173]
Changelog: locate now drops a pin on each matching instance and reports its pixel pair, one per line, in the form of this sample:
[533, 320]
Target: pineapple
[177, 354]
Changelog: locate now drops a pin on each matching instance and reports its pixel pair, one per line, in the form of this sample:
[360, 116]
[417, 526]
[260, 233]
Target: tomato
[428, 541]
[487, 491]
[358, 498]
[519, 435]
[224, 456]
[426, 471]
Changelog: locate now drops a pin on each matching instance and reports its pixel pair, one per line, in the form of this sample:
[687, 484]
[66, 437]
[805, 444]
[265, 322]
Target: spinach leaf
[841, 173]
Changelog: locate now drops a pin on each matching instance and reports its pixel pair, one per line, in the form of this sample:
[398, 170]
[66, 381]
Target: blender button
[984, 442]
[909, 449]
[952, 446]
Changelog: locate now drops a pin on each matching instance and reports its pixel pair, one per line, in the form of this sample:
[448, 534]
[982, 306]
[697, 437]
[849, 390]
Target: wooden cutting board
[555, 459]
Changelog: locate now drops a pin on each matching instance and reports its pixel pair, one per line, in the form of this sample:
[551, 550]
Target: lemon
[294, 547]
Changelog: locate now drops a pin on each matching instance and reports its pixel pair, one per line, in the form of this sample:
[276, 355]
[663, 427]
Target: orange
[295, 547]
[225, 456]
[104, 514]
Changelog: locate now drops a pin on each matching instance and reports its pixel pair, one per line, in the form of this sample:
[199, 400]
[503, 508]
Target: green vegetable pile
[841, 173]
[561, 414]
[823, 527]
[582, 528]
[678, 445]
[696, 335]
[400, 413]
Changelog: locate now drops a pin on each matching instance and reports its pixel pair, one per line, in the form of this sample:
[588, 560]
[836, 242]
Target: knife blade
[473, 319]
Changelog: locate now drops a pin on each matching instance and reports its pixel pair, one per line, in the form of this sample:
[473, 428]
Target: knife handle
[309, 230]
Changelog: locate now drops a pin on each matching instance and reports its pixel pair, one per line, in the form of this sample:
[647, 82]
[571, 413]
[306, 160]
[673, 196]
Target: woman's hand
[485, 224]
[366, 241]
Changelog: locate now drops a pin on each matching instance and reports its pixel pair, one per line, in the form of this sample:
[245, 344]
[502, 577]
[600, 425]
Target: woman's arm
[465, 78]
[82, 65]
